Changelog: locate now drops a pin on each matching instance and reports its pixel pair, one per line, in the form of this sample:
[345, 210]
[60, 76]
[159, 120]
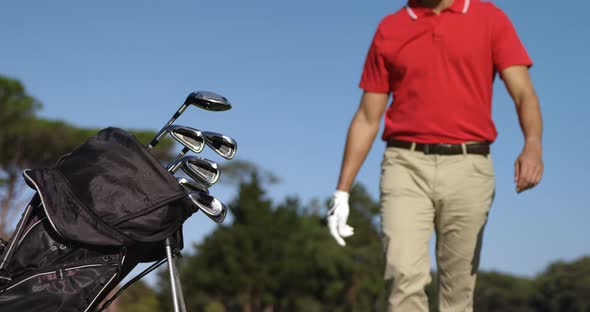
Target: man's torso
[440, 71]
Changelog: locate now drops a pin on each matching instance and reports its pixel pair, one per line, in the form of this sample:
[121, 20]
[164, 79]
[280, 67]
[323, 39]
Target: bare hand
[528, 168]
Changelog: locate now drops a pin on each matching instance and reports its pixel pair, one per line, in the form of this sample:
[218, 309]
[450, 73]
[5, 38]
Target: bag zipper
[64, 267]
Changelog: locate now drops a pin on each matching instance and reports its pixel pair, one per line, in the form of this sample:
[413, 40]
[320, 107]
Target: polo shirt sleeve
[507, 49]
[375, 76]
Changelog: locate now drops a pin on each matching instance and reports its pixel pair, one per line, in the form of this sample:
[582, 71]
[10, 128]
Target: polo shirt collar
[416, 11]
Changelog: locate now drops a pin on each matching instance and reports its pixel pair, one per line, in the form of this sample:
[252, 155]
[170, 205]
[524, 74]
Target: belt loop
[464, 148]
[413, 147]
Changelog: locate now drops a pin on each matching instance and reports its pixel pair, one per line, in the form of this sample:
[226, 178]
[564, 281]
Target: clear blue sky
[291, 69]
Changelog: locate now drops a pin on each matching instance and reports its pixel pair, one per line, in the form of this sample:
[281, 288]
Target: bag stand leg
[177, 296]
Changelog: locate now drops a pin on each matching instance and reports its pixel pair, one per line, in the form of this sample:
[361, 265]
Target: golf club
[192, 185]
[192, 139]
[211, 206]
[206, 100]
[197, 168]
[221, 144]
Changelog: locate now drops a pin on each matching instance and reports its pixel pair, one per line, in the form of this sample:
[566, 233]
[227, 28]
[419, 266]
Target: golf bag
[104, 208]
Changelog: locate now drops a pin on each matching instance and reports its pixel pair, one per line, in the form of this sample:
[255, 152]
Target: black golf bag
[104, 208]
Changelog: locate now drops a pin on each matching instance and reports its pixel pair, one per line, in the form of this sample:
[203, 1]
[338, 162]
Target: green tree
[281, 258]
[432, 293]
[232, 266]
[17, 109]
[563, 287]
[139, 298]
[502, 292]
[240, 171]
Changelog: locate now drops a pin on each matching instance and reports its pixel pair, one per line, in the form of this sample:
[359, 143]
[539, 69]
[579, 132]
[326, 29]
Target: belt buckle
[446, 149]
[438, 148]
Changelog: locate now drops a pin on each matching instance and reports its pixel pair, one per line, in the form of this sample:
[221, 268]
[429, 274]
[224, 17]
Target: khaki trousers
[422, 194]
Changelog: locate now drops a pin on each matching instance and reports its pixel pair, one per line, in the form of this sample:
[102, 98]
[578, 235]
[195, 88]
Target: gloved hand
[337, 217]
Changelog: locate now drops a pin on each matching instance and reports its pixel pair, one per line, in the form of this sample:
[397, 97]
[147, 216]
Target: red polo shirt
[440, 70]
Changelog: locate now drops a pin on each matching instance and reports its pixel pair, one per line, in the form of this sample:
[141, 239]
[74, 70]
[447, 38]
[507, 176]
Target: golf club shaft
[158, 136]
[177, 296]
[179, 290]
[177, 159]
[173, 284]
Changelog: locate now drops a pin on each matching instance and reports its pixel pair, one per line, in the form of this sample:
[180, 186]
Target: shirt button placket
[437, 34]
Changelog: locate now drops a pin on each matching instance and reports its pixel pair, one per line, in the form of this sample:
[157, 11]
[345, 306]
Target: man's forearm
[361, 134]
[520, 86]
[529, 115]
[528, 167]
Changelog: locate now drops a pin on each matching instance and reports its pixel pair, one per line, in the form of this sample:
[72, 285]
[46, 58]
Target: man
[438, 59]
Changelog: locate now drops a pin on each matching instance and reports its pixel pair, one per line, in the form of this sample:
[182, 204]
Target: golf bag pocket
[42, 271]
[72, 287]
[41, 247]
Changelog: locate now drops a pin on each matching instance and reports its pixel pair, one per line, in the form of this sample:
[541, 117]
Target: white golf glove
[337, 217]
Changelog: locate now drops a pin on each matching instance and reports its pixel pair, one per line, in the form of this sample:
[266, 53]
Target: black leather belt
[479, 148]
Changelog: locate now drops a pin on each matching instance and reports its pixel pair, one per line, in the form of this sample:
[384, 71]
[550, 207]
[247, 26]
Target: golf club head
[207, 100]
[221, 144]
[192, 138]
[191, 185]
[211, 206]
[199, 169]
[204, 99]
